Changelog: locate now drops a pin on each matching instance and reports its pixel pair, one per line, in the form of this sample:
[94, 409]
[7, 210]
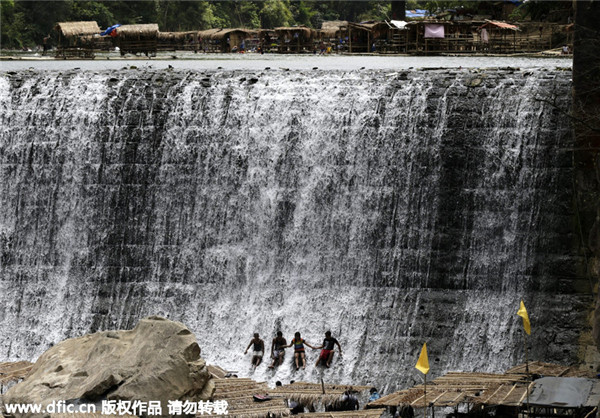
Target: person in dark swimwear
[257, 351]
[278, 349]
[327, 348]
[298, 342]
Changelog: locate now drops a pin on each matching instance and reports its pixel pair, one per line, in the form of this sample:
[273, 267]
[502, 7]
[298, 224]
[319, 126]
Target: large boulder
[158, 360]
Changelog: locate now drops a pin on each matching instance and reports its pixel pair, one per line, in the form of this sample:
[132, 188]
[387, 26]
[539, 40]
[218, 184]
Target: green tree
[33, 20]
[132, 12]
[92, 10]
[275, 13]
[176, 15]
[303, 13]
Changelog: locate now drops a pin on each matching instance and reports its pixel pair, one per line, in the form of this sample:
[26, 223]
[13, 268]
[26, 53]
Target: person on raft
[257, 351]
[298, 342]
[278, 349]
[327, 348]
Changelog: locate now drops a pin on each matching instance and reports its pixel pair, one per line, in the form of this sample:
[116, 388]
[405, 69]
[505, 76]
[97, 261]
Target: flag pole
[526, 371]
[425, 398]
[522, 312]
[423, 366]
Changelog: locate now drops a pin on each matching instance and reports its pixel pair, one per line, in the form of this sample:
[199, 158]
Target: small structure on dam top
[137, 39]
[78, 39]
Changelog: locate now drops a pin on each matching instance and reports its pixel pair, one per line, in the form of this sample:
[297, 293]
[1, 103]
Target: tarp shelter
[418, 13]
[398, 24]
[110, 30]
[493, 24]
[434, 30]
[565, 392]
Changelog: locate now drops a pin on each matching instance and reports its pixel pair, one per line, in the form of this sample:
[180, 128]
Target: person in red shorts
[327, 348]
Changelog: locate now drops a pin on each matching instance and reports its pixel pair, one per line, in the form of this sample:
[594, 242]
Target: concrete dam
[390, 207]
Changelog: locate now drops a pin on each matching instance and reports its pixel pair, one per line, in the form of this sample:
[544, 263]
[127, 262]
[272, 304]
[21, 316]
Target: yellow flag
[523, 313]
[423, 363]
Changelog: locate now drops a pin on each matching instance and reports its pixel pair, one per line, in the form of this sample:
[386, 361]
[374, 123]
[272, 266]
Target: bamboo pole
[425, 397]
[526, 370]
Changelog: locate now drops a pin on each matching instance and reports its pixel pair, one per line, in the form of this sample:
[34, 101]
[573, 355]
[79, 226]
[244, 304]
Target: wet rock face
[159, 360]
[388, 207]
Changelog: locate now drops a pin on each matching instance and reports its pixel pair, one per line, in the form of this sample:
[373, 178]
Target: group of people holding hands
[279, 345]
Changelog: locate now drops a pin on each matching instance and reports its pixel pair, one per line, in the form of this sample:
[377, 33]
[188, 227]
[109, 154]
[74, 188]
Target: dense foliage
[25, 23]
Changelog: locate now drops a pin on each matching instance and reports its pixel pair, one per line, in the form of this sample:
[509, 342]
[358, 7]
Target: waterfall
[391, 208]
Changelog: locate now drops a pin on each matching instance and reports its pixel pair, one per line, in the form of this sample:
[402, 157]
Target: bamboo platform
[507, 389]
[239, 392]
[549, 369]
[363, 413]
[309, 393]
[457, 387]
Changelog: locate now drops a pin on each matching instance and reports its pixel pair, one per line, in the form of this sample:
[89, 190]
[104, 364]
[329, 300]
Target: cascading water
[393, 208]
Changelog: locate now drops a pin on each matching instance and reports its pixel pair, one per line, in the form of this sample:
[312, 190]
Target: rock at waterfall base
[158, 360]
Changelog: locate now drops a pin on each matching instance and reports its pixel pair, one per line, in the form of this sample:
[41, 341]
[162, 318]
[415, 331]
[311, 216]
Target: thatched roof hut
[295, 39]
[77, 39]
[225, 40]
[303, 32]
[175, 36]
[333, 29]
[138, 38]
[138, 32]
[208, 33]
[219, 34]
[71, 29]
[173, 41]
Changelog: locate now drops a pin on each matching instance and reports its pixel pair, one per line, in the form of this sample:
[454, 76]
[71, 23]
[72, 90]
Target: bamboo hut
[228, 40]
[178, 41]
[76, 39]
[396, 39]
[498, 37]
[135, 39]
[366, 36]
[334, 32]
[295, 39]
[268, 40]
